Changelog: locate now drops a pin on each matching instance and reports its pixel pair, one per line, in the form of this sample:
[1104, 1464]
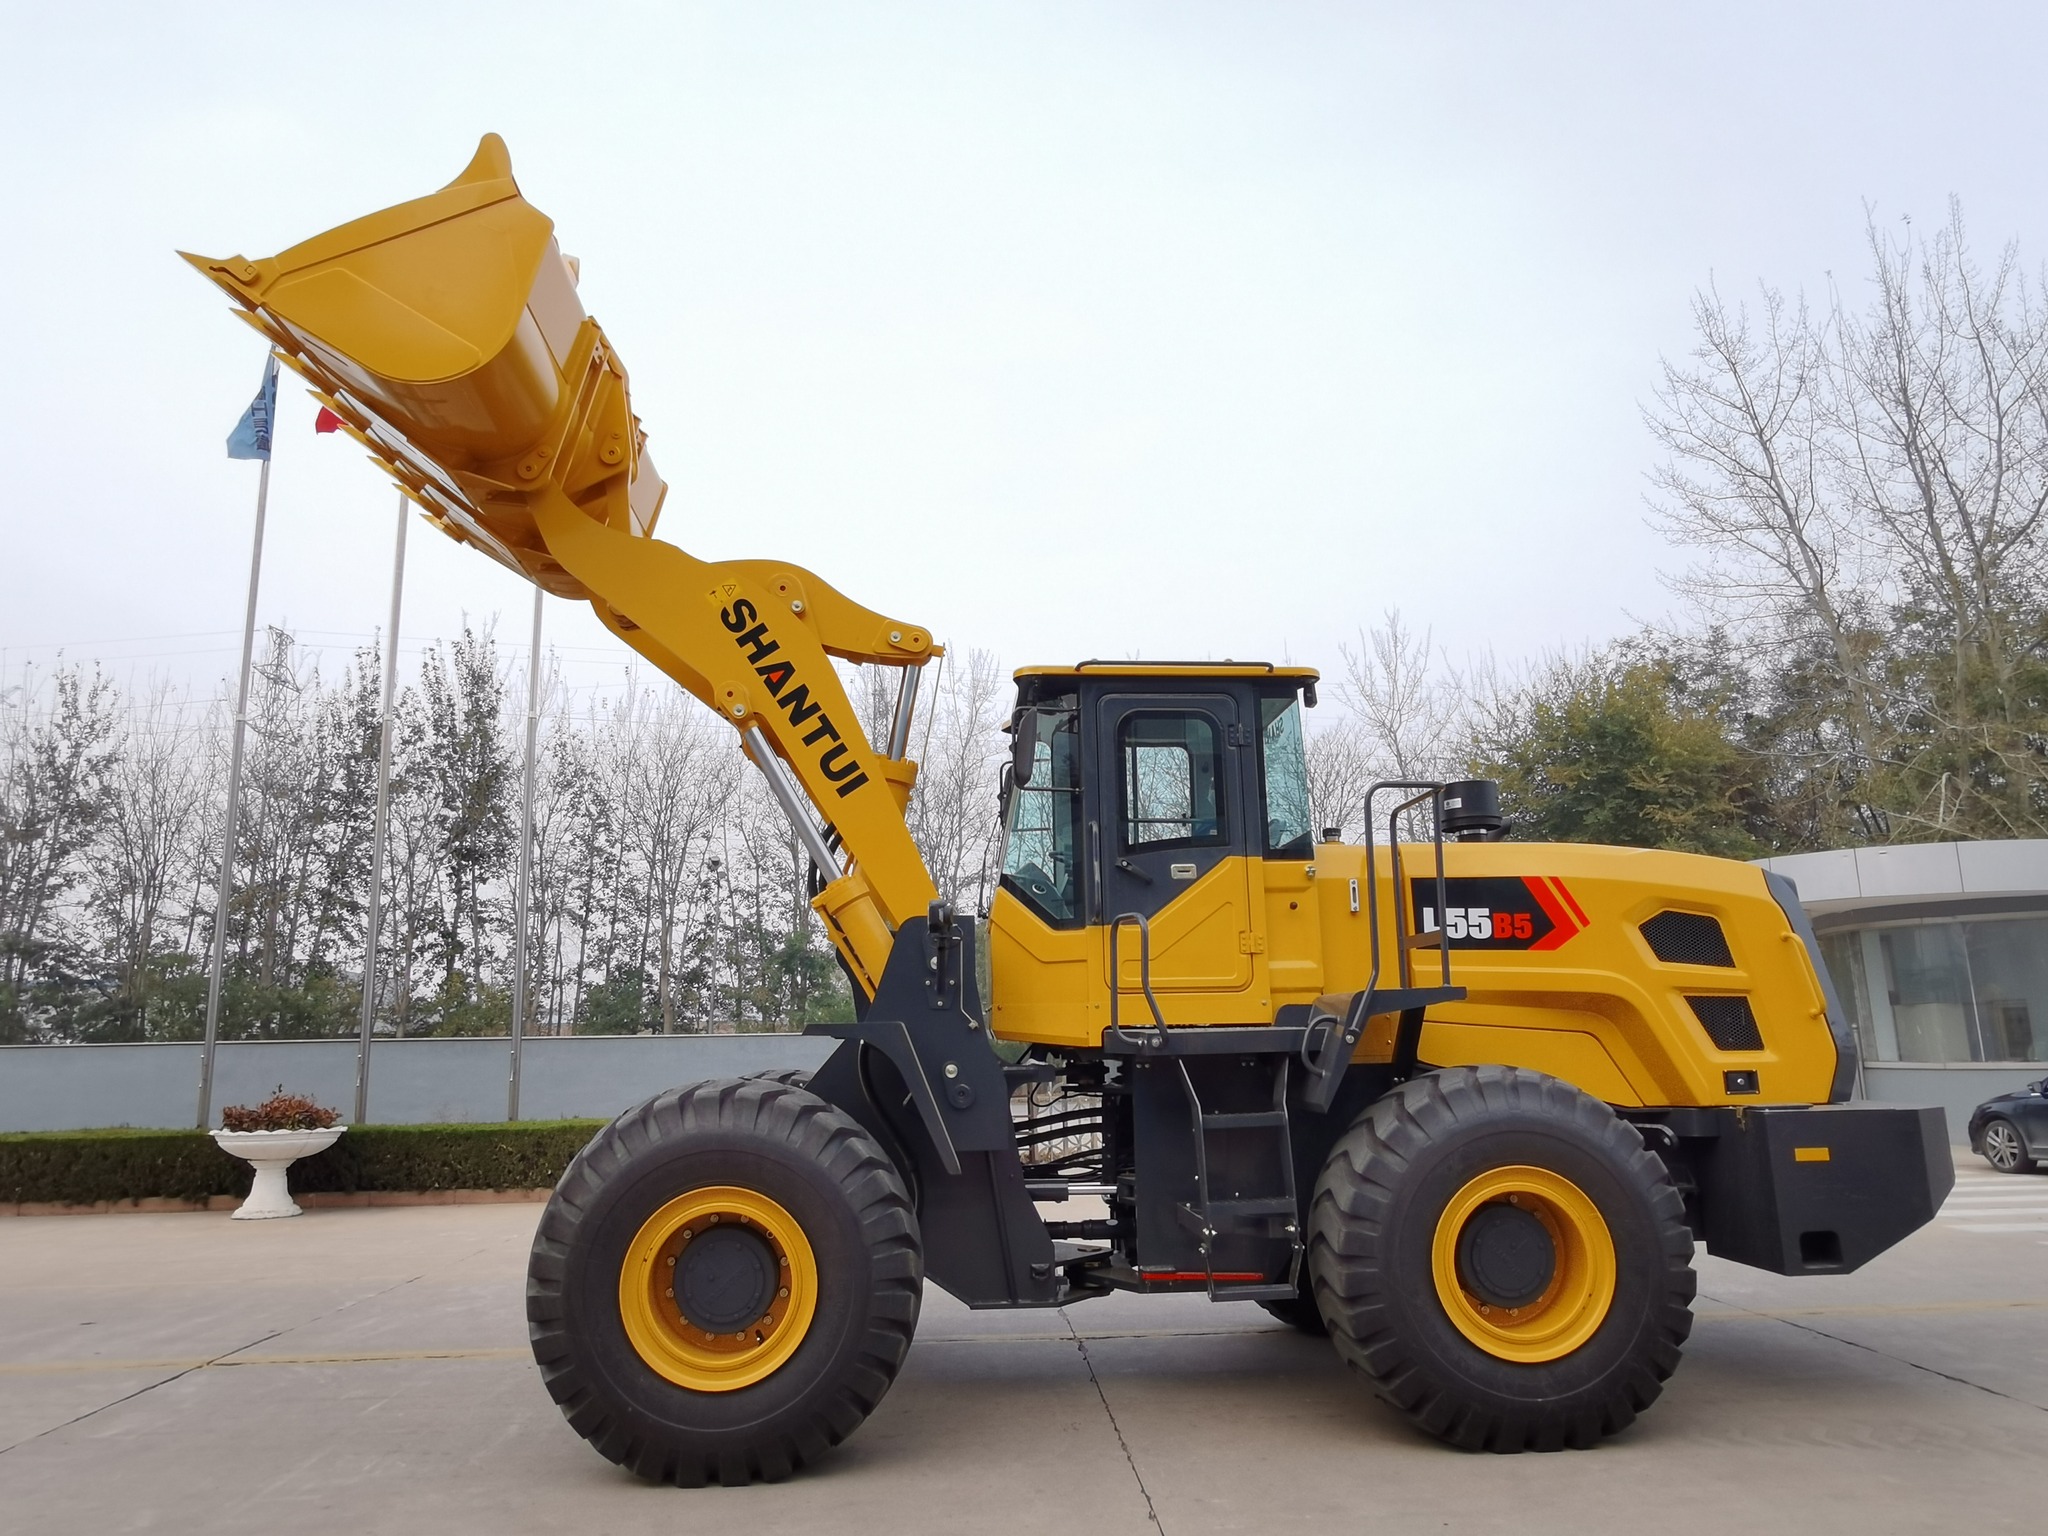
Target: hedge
[83, 1167]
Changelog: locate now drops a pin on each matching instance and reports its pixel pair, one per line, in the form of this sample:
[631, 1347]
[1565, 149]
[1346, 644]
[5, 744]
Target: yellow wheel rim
[1581, 1289]
[692, 1356]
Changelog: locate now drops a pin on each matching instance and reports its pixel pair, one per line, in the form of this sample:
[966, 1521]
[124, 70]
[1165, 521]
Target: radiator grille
[1729, 1023]
[1687, 938]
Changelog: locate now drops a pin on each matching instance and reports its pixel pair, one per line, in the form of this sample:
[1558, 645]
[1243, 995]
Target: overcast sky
[1063, 329]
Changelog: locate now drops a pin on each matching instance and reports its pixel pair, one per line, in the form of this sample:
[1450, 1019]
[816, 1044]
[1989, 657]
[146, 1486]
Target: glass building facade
[1962, 989]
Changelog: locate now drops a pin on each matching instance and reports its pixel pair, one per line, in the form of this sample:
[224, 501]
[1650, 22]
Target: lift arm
[447, 335]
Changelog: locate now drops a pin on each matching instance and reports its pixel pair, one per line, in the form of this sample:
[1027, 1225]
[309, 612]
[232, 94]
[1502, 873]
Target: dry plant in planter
[270, 1137]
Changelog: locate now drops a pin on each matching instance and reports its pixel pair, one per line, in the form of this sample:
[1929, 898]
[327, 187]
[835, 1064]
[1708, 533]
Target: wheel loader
[1463, 1104]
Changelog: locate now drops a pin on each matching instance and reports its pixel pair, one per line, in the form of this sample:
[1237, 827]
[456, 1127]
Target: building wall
[1939, 952]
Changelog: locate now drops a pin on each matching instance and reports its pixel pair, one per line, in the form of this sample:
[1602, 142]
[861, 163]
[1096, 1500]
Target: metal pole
[380, 825]
[228, 834]
[792, 804]
[522, 899]
[906, 706]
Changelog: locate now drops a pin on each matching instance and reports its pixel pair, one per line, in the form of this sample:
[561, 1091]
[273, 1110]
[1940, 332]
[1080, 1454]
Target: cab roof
[1181, 669]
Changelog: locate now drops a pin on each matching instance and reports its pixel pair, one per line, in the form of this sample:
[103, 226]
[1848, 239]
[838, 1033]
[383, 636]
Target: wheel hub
[1524, 1264]
[717, 1289]
[725, 1279]
[1505, 1255]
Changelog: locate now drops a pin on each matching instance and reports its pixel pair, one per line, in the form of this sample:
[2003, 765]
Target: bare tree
[1868, 489]
[953, 810]
[159, 795]
[1340, 771]
[1402, 698]
[680, 777]
[57, 744]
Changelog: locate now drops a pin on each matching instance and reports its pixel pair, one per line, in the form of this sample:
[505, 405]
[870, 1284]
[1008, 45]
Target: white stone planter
[270, 1153]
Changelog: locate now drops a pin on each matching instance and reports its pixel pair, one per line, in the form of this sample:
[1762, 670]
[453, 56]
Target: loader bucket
[448, 336]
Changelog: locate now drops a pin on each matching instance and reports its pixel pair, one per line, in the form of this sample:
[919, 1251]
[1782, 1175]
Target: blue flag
[251, 437]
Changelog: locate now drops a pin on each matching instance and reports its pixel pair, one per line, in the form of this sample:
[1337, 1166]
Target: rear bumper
[1802, 1191]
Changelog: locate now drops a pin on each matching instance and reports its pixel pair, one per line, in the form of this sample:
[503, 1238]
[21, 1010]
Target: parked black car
[2010, 1132]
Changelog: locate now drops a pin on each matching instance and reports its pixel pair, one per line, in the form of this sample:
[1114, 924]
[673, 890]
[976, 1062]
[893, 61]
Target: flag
[251, 437]
[326, 421]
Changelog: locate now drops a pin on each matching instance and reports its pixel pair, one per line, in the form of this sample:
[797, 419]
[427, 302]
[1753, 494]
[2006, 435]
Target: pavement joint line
[129, 1397]
[1151, 1513]
[237, 1360]
[1885, 1354]
[318, 1317]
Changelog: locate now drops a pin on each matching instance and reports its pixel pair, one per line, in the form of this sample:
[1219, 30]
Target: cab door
[1173, 835]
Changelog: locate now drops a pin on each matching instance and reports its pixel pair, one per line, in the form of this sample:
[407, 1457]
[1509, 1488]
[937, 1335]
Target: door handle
[1131, 869]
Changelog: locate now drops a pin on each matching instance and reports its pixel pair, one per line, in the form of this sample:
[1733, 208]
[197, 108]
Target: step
[1254, 1293]
[1260, 1119]
[1264, 1205]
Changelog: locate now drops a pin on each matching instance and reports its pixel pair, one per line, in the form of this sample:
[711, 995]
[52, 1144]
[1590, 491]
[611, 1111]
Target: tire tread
[1352, 1201]
[783, 1112]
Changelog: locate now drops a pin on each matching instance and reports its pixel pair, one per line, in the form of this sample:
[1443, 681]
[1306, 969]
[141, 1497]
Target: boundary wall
[412, 1082]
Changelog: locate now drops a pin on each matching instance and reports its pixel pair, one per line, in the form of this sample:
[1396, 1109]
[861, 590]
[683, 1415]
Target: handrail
[1325, 1057]
[1116, 980]
[1405, 942]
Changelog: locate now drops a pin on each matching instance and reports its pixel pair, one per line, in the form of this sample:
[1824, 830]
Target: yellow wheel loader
[1465, 1105]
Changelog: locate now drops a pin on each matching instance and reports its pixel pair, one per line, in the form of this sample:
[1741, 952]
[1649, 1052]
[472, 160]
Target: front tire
[1503, 1259]
[2003, 1148]
[724, 1283]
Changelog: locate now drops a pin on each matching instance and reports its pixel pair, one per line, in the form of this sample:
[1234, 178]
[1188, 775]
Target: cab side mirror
[1023, 746]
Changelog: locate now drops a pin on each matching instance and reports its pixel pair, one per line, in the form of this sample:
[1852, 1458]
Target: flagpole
[380, 824]
[522, 900]
[227, 843]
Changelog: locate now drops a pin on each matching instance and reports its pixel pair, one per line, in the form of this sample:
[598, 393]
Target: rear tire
[1503, 1259]
[2003, 1148]
[1300, 1313]
[790, 1187]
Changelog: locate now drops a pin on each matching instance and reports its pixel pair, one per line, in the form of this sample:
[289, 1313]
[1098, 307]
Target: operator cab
[1148, 788]
[1130, 781]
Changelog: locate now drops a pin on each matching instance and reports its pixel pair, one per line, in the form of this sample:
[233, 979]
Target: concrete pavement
[367, 1370]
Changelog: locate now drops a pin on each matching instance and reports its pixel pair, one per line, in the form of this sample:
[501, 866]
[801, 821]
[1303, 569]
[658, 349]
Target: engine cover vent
[1687, 938]
[1729, 1022]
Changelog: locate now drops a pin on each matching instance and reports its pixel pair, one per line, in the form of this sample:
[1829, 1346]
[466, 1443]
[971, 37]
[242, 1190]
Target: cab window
[1170, 764]
[1042, 820]
[1283, 778]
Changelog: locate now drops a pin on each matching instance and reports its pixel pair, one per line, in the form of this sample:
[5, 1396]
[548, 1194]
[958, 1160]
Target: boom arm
[447, 335]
